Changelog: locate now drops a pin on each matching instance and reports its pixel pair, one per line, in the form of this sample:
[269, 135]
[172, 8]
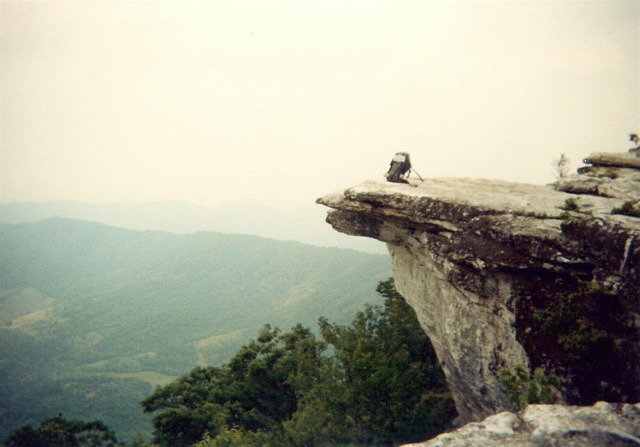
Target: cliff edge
[502, 274]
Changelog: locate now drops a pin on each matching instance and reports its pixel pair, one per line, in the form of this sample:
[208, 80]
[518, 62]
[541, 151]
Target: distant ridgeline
[303, 224]
[92, 317]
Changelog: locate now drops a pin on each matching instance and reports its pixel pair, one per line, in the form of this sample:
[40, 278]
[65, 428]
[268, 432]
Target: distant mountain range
[93, 316]
[305, 224]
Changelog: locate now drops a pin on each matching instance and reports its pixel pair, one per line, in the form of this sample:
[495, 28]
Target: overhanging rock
[473, 257]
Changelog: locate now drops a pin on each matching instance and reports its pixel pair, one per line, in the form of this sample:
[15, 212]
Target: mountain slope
[92, 316]
[303, 224]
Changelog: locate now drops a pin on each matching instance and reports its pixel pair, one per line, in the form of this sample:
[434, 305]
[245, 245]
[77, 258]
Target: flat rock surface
[498, 196]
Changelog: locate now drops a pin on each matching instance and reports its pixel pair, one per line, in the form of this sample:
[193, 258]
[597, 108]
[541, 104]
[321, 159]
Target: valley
[93, 317]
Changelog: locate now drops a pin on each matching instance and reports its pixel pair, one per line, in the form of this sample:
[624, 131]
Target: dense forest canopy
[381, 384]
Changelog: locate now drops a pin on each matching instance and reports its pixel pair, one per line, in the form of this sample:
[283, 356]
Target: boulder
[603, 424]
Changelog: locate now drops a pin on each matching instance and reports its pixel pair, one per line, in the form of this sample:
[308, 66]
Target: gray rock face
[473, 257]
[603, 424]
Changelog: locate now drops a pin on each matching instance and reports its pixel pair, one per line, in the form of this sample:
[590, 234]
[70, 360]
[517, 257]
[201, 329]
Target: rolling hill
[93, 316]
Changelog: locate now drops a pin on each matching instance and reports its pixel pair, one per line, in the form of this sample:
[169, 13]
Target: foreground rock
[603, 424]
[475, 257]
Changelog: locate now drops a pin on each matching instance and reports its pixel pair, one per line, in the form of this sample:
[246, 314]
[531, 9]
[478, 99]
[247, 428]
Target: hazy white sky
[282, 102]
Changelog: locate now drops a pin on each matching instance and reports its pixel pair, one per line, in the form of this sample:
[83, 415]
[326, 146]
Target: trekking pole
[421, 179]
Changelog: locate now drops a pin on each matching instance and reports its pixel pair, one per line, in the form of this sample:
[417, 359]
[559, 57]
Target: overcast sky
[282, 102]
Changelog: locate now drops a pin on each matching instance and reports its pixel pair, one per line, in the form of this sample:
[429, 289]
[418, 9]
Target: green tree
[256, 391]
[58, 432]
[185, 409]
[524, 389]
[386, 386]
[382, 385]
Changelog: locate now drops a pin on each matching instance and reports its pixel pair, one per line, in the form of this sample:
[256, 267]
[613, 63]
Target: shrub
[524, 389]
[571, 204]
[628, 209]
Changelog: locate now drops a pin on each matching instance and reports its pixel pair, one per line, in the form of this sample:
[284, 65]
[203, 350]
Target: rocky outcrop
[603, 424]
[609, 175]
[484, 262]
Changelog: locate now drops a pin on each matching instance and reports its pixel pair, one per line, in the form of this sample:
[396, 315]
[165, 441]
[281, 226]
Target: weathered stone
[602, 424]
[614, 175]
[578, 184]
[614, 182]
[474, 257]
[629, 159]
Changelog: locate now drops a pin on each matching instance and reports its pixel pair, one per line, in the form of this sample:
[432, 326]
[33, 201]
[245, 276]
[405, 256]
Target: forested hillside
[381, 384]
[92, 317]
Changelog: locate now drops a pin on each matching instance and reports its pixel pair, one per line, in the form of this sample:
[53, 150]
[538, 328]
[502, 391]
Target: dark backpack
[400, 165]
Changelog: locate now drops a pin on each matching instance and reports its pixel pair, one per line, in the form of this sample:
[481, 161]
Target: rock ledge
[473, 257]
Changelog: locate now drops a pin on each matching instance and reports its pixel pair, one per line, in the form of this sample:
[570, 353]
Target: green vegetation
[569, 319]
[629, 208]
[524, 389]
[381, 385]
[535, 214]
[571, 204]
[58, 432]
[93, 317]
[582, 333]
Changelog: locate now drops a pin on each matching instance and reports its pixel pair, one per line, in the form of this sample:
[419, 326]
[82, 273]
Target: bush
[628, 209]
[524, 389]
[571, 204]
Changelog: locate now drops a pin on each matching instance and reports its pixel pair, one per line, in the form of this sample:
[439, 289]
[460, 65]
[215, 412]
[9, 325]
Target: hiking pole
[421, 179]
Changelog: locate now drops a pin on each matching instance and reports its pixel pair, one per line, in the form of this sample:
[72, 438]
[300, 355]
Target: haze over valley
[93, 316]
[304, 224]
